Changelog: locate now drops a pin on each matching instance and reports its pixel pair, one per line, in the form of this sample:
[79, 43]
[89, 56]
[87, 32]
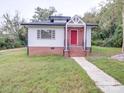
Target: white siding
[57, 42]
[88, 37]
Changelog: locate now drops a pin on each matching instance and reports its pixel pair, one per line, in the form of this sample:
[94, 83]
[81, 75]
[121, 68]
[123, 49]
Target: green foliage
[23, 35]
[90, 17]
[116, 40]
[103, 39]
[43, 14]
[7, 43]
[109, 20]
[18, 44]
[12, 33]
[98, 42]
[2, 43]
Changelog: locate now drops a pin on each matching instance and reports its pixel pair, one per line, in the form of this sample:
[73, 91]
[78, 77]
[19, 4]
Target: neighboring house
[60, 35]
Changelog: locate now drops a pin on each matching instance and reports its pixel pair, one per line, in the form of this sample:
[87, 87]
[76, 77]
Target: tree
[109, 30]
[11, 25]
[90, 17]
[12, 32]
[123, 25]
[43, 14]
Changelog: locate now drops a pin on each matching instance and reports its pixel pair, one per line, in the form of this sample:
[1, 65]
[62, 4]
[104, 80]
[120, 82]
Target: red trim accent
[73, 37]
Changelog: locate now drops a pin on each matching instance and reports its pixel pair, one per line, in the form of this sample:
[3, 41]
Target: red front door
[73, 37]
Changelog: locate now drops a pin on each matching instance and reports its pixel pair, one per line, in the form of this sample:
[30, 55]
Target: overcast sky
[66, 7]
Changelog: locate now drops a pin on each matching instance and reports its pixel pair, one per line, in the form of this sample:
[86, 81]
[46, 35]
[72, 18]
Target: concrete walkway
[102, 80]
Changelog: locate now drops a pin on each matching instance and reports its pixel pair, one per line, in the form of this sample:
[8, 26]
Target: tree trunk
[123, 26]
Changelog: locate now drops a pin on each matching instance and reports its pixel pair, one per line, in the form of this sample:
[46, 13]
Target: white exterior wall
[57, 42]
[88, 37]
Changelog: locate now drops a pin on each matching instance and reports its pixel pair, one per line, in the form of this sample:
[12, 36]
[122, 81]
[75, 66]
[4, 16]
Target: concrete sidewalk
[102, 80]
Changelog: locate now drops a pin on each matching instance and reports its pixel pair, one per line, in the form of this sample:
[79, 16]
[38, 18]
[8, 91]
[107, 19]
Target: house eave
[91, 24]
[28, 24]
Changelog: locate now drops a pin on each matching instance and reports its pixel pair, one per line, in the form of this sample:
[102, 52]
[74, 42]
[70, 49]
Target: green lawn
[51, 74]
[101, 58]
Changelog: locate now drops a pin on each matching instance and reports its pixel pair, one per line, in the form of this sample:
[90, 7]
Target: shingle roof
[45, 23]
[53, 24]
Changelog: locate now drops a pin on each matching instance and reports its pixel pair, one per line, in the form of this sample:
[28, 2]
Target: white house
[59, 35]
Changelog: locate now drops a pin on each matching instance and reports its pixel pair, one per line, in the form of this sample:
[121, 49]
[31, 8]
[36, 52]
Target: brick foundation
[36, 51]
[44, 51]
[66, 53]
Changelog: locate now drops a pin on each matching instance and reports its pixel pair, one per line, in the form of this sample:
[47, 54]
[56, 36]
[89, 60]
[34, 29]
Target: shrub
[18, 44]
[7, 43]
[98, 42]
[2, 43]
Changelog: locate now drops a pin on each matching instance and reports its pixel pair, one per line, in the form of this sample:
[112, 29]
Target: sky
[66, 7]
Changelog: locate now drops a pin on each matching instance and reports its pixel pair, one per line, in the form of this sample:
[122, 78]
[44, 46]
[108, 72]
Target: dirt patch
[119, 57]
[11, 50]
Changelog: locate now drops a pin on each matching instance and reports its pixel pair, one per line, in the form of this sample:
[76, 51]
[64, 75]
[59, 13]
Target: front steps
[75, 52]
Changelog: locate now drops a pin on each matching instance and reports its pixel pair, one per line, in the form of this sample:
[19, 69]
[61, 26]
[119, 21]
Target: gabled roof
[75, 20]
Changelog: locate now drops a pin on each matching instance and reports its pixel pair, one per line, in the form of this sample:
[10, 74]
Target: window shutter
[45, 34]
[53, 34]
[38, 34]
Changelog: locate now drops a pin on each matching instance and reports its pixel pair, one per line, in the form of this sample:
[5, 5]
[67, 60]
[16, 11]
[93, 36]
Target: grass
[101, 57]
[49, 74]
[104, 51]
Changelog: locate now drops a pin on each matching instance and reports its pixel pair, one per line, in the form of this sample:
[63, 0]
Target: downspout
[27, 43]
[85, 37]
[66, 38]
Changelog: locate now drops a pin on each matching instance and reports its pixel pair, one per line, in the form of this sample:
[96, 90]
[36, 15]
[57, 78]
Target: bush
[18, 44]
[108, 42]
[98, 42]
[2, 43]
[7, 43]
[104, 39]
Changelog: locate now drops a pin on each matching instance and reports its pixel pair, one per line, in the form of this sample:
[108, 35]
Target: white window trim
[46, 38]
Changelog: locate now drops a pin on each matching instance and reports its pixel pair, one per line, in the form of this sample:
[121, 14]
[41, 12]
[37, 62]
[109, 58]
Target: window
[45, 34]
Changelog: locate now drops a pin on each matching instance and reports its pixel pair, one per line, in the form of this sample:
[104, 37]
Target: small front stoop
[77, 52]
